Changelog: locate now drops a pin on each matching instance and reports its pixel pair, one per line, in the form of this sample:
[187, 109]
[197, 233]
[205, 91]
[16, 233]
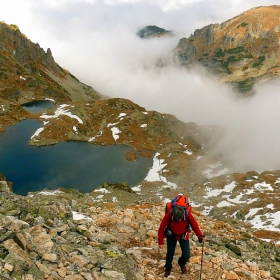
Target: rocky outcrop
[241, 50]
[24, 51]
[153, 31]
[70, 235]
[250, 197]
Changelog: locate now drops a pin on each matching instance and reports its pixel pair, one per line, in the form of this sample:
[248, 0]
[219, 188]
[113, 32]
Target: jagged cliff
[28, 72]
[242, 50]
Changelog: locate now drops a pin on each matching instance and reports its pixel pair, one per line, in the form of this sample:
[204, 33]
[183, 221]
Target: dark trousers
[185, 248]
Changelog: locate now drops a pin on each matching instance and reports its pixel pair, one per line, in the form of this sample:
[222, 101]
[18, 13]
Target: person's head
[178, 213]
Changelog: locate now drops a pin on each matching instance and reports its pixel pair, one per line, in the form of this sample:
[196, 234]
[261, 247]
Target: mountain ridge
[28, 72]
[242, 50]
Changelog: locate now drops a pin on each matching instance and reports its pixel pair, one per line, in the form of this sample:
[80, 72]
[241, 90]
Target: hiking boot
[167, 272]
[184, 269]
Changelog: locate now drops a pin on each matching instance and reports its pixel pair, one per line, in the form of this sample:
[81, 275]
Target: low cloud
[252, 134]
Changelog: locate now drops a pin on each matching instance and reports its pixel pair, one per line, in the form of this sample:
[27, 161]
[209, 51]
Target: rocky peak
[242, 50]
[153, 31]
[16, 44]
[28, 72]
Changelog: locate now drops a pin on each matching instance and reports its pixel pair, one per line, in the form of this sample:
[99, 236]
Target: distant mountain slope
[242, 50]
[27, 71]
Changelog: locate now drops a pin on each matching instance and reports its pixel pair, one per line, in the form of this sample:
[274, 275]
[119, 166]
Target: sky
[96, 41]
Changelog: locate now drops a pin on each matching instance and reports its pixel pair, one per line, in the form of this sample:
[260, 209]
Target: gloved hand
[202, 239]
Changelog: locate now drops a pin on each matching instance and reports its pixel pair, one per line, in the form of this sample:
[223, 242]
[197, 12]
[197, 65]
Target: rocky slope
[69, 235]
[252, 198]
[28, 72]
[242, 50]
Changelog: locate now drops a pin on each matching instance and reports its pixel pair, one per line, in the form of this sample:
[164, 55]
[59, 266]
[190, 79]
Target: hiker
[175, 226]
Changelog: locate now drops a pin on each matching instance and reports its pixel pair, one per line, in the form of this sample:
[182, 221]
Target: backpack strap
[188, 229]
[168, 207]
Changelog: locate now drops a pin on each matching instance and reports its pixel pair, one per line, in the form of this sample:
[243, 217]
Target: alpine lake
[69, 164]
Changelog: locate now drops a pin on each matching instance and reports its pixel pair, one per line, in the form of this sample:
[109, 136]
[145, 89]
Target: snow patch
[121, 115]
[210, 172]
[224, 204]
[62, 110]
[115, 133]
[77, 216]
[102, 190]
[215, 192]
[55, 192]
[136, 188]
[94, 137]
[263, 187]
[155, 173]
[37, 132]
[187, 151]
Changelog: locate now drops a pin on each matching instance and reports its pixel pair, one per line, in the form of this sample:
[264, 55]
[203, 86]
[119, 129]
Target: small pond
[38, 106]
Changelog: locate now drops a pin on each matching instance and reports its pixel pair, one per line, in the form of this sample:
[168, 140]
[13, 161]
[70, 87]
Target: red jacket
[177, 228]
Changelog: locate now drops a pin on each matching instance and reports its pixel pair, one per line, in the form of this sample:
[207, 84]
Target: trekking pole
[201, 261]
